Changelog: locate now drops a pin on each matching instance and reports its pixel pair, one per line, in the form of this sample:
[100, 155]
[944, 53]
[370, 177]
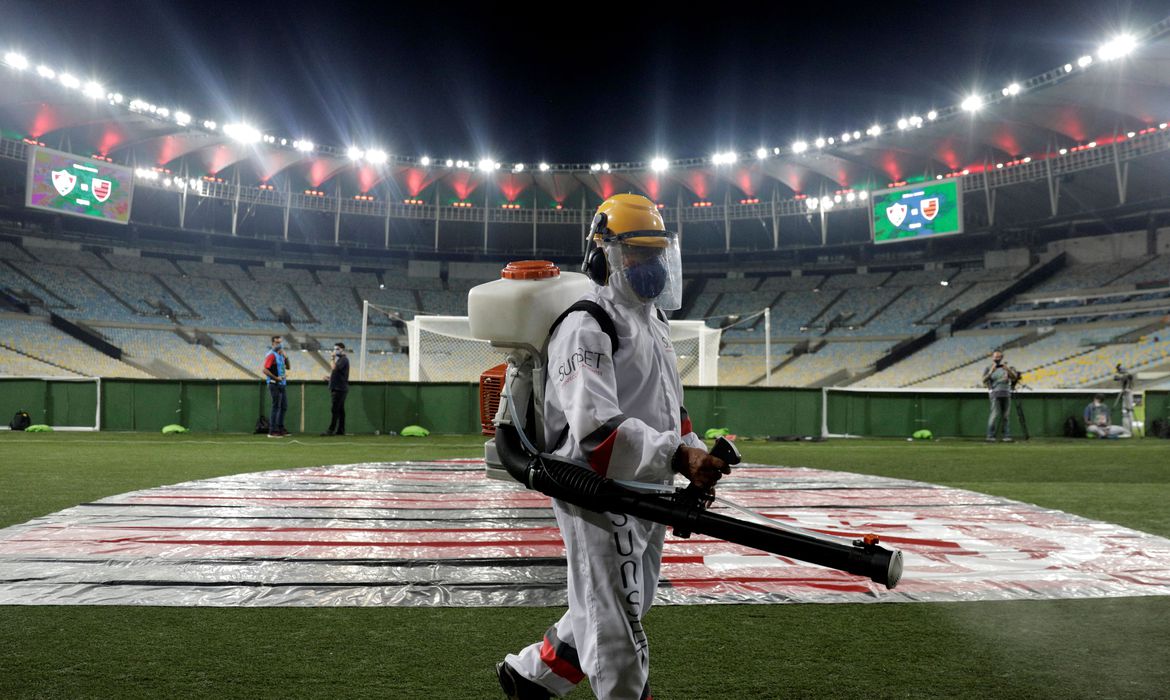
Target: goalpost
[60, 402]
[442, 350]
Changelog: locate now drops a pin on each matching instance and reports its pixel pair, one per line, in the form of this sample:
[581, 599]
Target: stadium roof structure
[1111, 106]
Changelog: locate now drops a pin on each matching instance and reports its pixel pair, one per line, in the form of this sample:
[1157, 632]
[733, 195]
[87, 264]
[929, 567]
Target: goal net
[442, 350]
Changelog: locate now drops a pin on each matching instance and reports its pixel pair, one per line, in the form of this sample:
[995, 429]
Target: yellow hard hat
[630, 218]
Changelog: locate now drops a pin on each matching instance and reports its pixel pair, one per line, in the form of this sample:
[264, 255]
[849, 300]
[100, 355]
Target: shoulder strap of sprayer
[604, 320]
[597, 312]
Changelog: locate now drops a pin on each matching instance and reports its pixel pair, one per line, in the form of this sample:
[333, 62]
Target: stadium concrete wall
[453, 408]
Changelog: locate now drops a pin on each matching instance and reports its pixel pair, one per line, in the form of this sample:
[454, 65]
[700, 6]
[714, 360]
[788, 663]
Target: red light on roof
[749, 200]
[413, 202]
[701, 204]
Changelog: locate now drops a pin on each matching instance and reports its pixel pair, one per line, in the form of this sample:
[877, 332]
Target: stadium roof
[1120, 92]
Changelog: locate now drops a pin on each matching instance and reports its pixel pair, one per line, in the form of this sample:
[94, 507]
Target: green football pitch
[1025, 649]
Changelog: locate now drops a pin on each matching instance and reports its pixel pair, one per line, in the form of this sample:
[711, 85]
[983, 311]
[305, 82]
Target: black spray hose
[569, 482]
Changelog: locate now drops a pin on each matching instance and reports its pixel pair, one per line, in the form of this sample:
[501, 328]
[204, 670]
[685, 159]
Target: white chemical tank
[521, 305]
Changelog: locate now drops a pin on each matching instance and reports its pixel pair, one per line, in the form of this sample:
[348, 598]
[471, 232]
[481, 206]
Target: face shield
[648, 265]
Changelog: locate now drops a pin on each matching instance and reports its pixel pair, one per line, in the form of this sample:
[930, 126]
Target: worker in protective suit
[620, 411]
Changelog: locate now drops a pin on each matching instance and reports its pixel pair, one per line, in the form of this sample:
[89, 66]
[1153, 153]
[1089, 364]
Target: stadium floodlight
[837, 198]
[595, 167]
[1011, 90]
[776, 151]
[15, 60]
[93, 90]
[1063, 151]
[659, 164]
[1027, 159]
[242, 133]
[1068, 68]
[903, 124]
[70, 81]
[799, 147]
[116, 98]
[353, 152]
[820, 142]
[497, 165]
[863, 195]
[182, 118]
[856, 135]
[850, 197]
[605, 167]
[284, 142]
[486, 165]
[209, 125]
[1162, 125]
[944, 283]
[826, 203]
[1092, 144]
[846, 137]
[1117, 47]
[163, 112]
[425, 161]
[376, 156]
[875, 130]
[761, 153]
[831, 140]
[812, 203]
[518, 168]
[932, 115]
[915, 121]
[1085, 61]
[972, 103]
[544, 167]
[46, 72]
[449, 163]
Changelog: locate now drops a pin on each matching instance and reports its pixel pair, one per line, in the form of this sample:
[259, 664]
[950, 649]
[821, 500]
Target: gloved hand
[700, 467]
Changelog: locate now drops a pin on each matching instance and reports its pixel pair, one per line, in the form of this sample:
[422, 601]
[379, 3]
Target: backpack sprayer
[515, 313]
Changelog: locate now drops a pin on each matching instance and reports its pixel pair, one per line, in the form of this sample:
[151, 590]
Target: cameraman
[1098, 421]
[338, 388]
[1000, 379]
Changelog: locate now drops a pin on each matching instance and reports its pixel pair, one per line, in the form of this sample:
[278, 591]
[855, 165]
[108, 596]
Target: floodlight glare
[605, 167]
[915, 121]
[182, 118]
[16, 60]
[377, 157]
[486, 165]
[1011, 90]
[518, 168]
[544, 167]
[162, 112]
[69, 81]
[1084, 61]
[595, 167]
[932, 115]
[972, 103]
[819, 143]
[209, 125]
[659, 164]
[812, 203]
[450, 163]
[424, 161]
[242, 133]
[93, 90]
[875, 130]
[850, 197]
[846, 137]
[856, 135]
[46, 72]
[903, 124]
[826, 203]
[1117, 47]
[863, 195]
[1068, 67]
[353, 152]
[799, 147]
[761, 153]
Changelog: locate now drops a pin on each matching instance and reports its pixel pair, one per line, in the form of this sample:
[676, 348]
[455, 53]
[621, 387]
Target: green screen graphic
[68, 184]
[916, 212]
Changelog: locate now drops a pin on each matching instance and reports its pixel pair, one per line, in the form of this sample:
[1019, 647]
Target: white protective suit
[625, 418]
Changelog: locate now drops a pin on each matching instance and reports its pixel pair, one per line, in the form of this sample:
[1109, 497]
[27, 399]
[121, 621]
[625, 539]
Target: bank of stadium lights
[518, 168]
[242, 133]
[1117, 47]
[1011, 90]
[659, 164]
[971, 103]
[932, 115]
[16, 60]
[69, 80]
[544, 167]
[1085, 61]
[376, 157]
[761, 153]
[93, 90]
[819, 143]
[425, 161]
[875, 130]
[728, 158]
[799, 147]
[46, 72]
[353, 152]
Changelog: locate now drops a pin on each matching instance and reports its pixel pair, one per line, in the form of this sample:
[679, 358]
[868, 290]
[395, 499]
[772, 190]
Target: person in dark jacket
[338, 388]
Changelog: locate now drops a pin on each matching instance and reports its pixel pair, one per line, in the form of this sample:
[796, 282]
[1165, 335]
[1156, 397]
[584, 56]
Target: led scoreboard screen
[68, 184]
[917, 212]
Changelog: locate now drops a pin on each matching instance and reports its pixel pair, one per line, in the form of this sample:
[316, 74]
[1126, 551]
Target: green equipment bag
[174, 429]
[715, 433]
[39, 428]
[415, 431]
[923, 435]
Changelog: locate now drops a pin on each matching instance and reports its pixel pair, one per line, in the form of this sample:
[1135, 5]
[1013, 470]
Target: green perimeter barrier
[955, 413]
[209, 406]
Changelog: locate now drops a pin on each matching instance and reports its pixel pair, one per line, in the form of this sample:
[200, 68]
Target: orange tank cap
[530, 270]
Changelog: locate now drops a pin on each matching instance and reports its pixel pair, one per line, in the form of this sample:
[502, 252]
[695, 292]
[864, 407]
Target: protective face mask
[648, 279]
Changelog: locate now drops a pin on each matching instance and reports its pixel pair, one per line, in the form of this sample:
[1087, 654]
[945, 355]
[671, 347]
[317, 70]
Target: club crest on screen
[64, 181]
[101, 189]
[896, 213]
[930, 208]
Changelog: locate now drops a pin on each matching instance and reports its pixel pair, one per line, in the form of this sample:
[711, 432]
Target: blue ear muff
[595, 266]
